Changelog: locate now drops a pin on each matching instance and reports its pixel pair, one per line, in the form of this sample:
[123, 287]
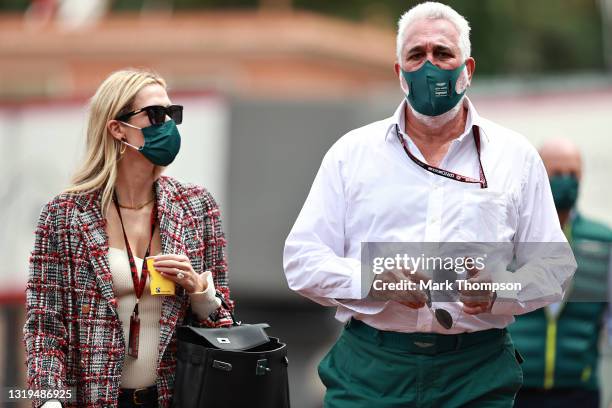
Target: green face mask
[162, 142]
[432, 89]
[564, 190]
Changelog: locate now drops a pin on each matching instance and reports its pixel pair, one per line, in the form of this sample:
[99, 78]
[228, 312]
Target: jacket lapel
[92, 226]
[170, 216]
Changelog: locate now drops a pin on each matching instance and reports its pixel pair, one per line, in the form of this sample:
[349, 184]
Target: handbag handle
[221, 298]
[192, 321]
[226, 306]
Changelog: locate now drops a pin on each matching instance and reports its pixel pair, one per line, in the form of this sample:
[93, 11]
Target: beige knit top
[142, 371]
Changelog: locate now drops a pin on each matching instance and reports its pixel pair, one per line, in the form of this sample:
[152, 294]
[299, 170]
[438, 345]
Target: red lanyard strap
[446, 173]
[139, 284]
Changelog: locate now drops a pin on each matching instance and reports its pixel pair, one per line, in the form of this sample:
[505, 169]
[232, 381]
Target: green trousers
[368, 368]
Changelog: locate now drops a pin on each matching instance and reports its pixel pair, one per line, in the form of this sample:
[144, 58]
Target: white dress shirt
[368, 190]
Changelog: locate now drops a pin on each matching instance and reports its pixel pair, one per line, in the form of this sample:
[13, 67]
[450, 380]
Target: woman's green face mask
[162, 142]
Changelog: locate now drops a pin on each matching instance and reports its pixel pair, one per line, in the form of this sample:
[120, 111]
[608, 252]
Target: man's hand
[477, 301]
[414, 298]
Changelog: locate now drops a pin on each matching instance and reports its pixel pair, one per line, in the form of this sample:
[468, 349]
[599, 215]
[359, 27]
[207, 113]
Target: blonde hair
[113, 98]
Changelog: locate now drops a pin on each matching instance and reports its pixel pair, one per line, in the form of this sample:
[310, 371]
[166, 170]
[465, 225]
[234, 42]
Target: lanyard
[139, 284]
[446, 173]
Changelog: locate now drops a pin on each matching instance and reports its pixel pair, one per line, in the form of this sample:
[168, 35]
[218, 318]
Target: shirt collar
[473, 118]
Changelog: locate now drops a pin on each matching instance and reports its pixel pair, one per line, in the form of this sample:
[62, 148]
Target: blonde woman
[92, 323]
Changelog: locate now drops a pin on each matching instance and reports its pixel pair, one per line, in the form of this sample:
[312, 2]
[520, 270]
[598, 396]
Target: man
[435, 171]
[560, 342]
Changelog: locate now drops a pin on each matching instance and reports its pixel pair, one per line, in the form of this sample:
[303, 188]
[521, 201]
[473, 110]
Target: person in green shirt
[560, 342]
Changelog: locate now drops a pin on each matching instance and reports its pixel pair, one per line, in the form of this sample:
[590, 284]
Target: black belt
[138, 397]
[424, 343]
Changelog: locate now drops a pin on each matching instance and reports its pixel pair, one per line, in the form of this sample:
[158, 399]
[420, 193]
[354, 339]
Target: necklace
[138, 282]
[137, 207]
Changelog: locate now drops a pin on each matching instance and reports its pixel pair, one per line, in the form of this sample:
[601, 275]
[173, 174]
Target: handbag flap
[241, 337]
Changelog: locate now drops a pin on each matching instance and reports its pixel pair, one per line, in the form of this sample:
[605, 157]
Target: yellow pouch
[159, 285]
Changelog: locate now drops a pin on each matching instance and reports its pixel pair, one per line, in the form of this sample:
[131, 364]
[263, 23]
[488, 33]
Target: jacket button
[85, 309]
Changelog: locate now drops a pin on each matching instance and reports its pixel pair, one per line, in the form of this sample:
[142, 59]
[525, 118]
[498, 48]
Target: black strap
[226, 306]
[446, 173]
[191, 320]
[138, 397]
[190, 317]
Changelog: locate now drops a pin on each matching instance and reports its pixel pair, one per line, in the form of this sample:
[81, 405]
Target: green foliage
[13, 5]
[508, 36]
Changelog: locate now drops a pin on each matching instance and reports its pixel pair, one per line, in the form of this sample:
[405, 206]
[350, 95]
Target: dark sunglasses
[442, 316]
[157, 114]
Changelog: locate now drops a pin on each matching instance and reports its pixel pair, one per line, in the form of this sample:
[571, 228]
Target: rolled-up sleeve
[205, 302]
[314, 257]
[545, 263]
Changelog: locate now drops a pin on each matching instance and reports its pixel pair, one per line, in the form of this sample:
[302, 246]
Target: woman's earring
[123, 147]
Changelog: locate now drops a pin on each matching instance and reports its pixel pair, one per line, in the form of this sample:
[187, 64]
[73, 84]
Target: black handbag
[236, 366]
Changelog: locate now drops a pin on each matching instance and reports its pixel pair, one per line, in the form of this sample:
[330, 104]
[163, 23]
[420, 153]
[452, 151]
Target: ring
[180, 275]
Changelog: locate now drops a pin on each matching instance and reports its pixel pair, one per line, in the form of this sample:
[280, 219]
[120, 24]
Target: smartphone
[160, 286]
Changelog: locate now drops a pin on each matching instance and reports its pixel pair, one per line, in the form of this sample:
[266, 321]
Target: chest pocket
[486, 216]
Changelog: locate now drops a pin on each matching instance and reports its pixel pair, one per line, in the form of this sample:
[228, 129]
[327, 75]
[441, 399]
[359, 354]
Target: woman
[92, 323]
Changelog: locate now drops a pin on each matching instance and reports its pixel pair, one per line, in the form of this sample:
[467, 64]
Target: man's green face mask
[564, 190]
[432, 89]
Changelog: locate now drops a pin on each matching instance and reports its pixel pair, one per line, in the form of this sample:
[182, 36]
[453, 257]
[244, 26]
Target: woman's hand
[52, 404]
[178, 269]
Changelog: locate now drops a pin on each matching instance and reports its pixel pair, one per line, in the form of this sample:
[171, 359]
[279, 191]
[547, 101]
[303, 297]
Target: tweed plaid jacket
[73, 335]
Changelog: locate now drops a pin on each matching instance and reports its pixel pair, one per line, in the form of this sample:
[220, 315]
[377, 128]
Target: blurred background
[268, 86]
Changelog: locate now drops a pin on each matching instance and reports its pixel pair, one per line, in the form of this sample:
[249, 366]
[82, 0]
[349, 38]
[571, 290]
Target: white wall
[42, 142]
[583, 117]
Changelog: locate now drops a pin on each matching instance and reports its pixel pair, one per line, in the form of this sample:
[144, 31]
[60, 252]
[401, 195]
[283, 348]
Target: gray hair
[434, 11]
